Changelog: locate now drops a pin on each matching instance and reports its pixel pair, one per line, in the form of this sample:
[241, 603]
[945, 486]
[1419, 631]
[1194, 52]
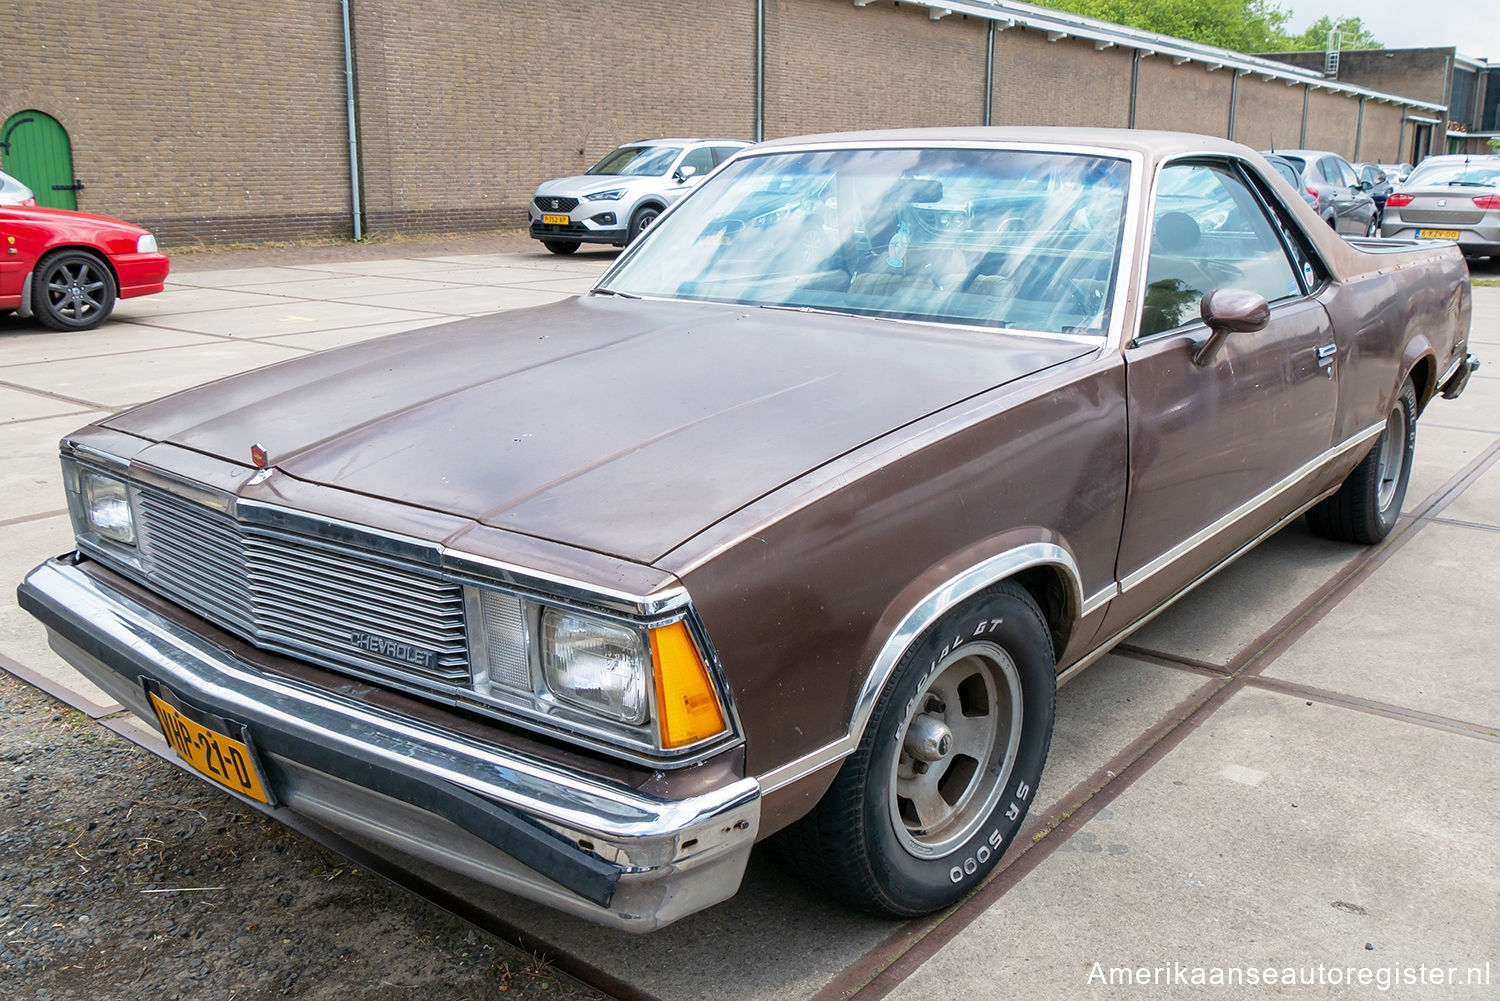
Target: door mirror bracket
[1229, 310]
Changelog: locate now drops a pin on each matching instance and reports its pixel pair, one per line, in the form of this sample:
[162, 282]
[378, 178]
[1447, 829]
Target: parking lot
[1293, 769]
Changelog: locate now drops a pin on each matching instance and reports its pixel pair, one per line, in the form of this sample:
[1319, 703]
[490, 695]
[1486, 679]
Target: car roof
[669, 140]
[1305, 153]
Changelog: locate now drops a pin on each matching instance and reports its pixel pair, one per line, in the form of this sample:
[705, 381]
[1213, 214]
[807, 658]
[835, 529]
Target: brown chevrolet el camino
[793, 523]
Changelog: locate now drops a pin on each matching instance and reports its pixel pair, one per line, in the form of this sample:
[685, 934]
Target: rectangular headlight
[106, 507]
[595, 664]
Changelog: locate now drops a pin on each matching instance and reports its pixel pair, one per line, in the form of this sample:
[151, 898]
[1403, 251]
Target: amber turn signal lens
[686, 707]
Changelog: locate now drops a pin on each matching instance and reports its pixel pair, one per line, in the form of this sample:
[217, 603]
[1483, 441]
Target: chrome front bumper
[600, 850]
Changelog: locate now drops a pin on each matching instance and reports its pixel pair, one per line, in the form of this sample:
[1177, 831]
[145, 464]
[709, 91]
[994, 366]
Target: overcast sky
[1471, 25]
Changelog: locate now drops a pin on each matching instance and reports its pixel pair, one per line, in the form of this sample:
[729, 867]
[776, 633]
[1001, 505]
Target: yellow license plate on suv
[1437, 234]
[218, 748]
[555, 220]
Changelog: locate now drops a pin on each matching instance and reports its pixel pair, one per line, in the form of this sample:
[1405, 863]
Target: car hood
[586, 184]
[620, 426]
[26, 213]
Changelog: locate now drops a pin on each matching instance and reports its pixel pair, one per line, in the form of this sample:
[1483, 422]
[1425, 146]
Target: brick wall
[831, 66]
[1184, 98]
[1381, 138]
[1268, 114]
[219, 120]
[1329, 117]
[1066, 82]
[468, 104]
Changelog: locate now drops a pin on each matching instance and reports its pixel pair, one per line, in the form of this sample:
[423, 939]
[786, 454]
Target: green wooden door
[40, 157]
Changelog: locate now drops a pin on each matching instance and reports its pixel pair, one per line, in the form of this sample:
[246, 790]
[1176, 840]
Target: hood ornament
[259, 456]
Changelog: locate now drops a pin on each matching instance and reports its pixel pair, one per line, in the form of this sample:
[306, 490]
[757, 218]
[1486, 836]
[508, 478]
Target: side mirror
[1229, 310]
[686, 171]
[1365, 185]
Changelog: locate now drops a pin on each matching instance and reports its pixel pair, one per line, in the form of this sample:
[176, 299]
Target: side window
[700, 159]
[722, 153]
[1347, 175]
[1209, 232]
[1330, 169]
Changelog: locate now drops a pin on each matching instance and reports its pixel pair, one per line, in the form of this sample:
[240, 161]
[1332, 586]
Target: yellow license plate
[1437, 234]
[555, 220]
[218, 748]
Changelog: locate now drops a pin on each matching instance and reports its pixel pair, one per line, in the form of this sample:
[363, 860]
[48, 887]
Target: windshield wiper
[610, 291]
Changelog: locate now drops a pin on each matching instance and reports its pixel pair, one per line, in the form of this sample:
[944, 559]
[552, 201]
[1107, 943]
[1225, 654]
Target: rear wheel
[561, 246]
[72, 290]
[1368, 503]
[949, 762]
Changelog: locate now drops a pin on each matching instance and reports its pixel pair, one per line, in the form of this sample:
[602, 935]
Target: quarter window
[1209, 232]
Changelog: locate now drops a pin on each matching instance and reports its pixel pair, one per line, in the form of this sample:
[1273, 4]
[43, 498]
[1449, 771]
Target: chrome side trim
[1180, 550]
[1442, 380]
[926, 612]
[1094, 602]
[1072, 670]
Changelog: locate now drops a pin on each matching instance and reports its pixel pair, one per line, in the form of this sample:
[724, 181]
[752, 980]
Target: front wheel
[642, 220]
[1368, 503]
[72, 290]
[561, 246]
[948, 765]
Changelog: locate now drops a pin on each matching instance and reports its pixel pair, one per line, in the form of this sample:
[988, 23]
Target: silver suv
[623, 193]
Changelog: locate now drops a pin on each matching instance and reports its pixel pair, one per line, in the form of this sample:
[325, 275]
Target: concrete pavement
[1294, 766]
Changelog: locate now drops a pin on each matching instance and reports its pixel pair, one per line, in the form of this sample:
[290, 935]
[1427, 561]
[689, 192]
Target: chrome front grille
[323, 602]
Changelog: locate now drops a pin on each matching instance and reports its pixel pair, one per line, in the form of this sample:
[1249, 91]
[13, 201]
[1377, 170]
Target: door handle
[1327, 351]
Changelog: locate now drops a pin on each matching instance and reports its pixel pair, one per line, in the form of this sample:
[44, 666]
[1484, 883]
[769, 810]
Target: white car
[13, 192]
[622, 194]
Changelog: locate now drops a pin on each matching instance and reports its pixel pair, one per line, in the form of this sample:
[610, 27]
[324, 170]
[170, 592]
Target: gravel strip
[122, 877]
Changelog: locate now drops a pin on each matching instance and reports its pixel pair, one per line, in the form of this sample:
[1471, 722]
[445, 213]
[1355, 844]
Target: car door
[1219, 450]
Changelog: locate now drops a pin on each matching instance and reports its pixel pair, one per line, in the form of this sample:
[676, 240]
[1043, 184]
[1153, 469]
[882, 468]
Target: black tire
[1368, 503]
[72, 290]
[641, 221]
[866, 842]
[1333, 223]
[1374, 228]
[561, 246]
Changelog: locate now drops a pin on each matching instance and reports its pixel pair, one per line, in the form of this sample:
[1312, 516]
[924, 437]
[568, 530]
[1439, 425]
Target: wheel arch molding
[1032, 564]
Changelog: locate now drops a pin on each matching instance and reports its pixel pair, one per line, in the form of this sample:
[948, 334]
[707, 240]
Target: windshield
[637, 161]
[997, 238]
[1465, 174]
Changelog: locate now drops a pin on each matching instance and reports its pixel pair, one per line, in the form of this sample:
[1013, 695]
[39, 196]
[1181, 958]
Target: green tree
[1315, 38]
[1242, 25]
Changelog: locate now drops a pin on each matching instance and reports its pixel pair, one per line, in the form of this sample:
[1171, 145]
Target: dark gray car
[1344, 201]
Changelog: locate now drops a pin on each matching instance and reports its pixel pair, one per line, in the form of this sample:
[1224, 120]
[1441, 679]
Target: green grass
[1485, 282]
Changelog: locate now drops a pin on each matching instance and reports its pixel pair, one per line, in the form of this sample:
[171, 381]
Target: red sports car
[68, 268]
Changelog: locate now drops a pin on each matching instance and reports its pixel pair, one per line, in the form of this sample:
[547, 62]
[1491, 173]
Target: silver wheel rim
[1392, 456]
[941, 791]
[75, 291]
